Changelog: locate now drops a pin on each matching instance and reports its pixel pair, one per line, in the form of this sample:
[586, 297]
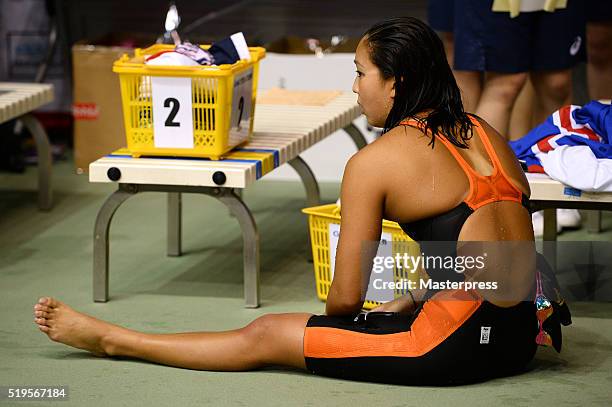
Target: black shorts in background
[598, 11]
[535, 41]
[441, 15]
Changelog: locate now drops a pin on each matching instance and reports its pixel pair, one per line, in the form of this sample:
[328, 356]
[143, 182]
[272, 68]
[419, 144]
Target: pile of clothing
[227, 51]
[573, 147]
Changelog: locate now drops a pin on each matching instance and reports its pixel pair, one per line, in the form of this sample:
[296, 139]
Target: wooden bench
[548, 195]
[281, 133]
[17, 101]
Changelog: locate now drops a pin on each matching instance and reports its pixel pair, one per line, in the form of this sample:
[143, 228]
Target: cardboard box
[98, 117]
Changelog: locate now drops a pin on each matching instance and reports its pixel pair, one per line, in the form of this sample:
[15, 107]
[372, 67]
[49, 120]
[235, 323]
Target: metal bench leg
[356, 135]
[250, 237]
[313, 196]
[43, 150]
[101, 230]
[594, 221]
[175, 212]
[240, 194]
[550, 236]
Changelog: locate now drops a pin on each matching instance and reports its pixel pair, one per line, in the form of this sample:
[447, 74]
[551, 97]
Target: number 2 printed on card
[172, 114]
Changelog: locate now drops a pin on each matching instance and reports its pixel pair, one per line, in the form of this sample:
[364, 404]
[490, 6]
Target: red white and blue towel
[590, 125]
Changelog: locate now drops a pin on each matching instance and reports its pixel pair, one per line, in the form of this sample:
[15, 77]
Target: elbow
[343, 307]
[343, 301]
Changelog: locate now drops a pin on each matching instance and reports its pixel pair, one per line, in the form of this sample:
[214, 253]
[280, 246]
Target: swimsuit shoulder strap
[467, 168]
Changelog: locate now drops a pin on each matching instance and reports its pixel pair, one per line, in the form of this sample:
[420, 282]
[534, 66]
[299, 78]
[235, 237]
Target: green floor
[51, 254]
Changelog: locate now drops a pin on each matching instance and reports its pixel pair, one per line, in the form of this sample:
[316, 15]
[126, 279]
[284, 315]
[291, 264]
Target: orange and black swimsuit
[484, 189]
[454, 337]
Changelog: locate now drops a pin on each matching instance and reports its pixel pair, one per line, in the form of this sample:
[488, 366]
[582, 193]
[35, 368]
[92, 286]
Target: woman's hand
[402, 305]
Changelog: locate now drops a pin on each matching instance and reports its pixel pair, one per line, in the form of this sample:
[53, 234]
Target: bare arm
[362, 207]
[403, 305]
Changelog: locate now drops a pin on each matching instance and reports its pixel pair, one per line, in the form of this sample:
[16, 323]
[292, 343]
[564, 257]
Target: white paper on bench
[172, 118]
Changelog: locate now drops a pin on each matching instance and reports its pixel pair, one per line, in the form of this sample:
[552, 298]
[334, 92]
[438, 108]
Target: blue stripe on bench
[263, 150]
[258, 166]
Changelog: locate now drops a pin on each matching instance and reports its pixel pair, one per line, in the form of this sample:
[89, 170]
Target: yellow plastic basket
[319, 220]
[211, 93]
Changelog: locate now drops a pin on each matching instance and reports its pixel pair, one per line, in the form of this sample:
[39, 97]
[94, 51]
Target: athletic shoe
[569, 218]
[537, 219]
[566, 219]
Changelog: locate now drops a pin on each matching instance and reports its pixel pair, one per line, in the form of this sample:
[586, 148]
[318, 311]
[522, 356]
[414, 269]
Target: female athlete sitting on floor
[444, 176]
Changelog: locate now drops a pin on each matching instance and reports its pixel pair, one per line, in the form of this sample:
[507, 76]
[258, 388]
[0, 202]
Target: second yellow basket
[325, 220]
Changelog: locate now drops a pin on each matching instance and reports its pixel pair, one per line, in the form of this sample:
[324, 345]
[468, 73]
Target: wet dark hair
[407, 50]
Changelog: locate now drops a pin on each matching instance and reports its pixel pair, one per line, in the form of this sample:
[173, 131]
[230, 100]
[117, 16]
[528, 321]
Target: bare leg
[553, 89]
[273, 339]
[521, 118]
[498, 96]
[599, 67]
[448, 40]
[470, 84]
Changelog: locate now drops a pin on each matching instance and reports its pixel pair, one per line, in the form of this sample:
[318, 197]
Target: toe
[52, 302]
[43, 328]
[41, 314]
[48, 301]
[40, 321]
[40, 307]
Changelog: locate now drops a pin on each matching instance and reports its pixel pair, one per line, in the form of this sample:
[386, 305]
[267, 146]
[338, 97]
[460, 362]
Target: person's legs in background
[470, 84]
[599, 58]
[499, 93]
[599, 66]
[555, 53]
[440, 16]
[543, 93]
[599, 48]
[553, 89]
[491, 56]
[521, 119]
[448, 40]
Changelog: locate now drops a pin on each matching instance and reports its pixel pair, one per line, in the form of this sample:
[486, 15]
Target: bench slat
[17, 99]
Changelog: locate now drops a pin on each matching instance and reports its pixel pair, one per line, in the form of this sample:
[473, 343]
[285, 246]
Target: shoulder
[506, 156]
[486, 127]
[404, 144]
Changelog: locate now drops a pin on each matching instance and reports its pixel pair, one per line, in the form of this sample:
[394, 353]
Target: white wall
[307, 72]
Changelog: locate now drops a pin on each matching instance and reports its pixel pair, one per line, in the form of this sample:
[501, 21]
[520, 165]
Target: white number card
[384, 250]
[241, 107]
[172, 117]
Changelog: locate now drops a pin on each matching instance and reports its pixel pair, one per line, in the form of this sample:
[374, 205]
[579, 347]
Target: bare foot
[65, 325]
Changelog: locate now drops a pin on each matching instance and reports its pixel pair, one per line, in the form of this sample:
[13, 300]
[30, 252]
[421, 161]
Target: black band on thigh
[375, 323]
